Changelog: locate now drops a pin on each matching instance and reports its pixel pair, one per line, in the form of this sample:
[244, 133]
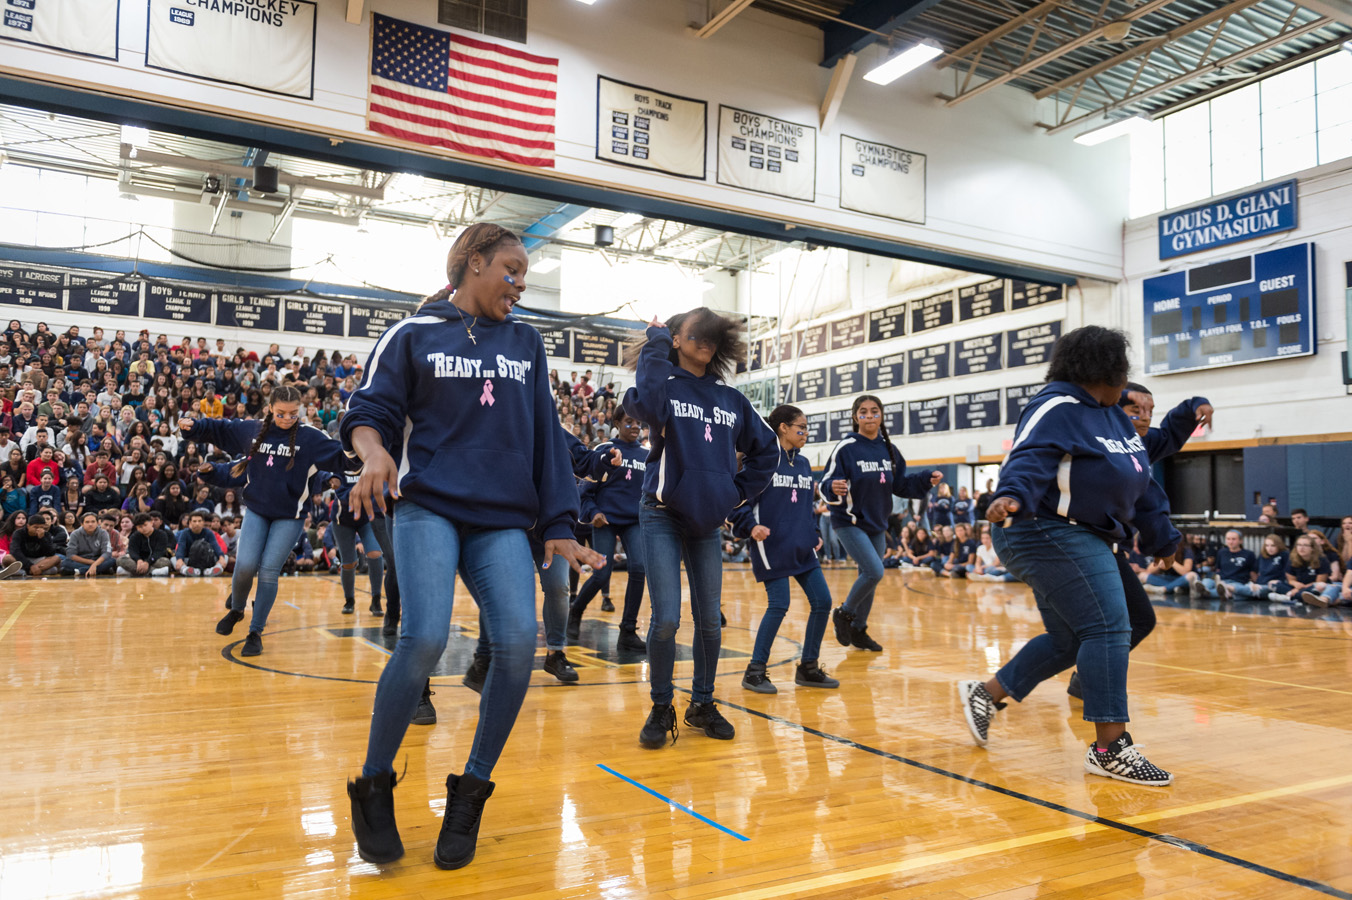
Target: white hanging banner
[637, 126]
[882, 180]
[762, 153]
[79, 26]
[263, 44]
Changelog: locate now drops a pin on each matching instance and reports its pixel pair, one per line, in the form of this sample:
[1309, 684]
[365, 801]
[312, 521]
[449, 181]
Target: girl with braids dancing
[441, 389]
[864, 472]
[280, 458]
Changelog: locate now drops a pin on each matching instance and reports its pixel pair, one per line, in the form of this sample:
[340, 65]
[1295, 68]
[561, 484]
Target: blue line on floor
[370, 643]
[667, 800]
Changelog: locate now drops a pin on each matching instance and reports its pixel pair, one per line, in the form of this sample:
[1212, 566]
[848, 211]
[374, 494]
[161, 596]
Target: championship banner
[264, 44]
[88, 27]
[640, 127]
[881, 180]
[765, 154]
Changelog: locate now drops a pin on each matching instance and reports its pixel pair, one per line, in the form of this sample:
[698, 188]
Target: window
[1236, 145]
[1187, 156]
[495, 18]
[1287, 102]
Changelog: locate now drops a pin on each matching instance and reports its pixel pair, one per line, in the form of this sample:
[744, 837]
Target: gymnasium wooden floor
[142, 758]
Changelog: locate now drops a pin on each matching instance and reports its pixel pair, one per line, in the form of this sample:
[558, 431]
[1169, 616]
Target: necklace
[468, 325]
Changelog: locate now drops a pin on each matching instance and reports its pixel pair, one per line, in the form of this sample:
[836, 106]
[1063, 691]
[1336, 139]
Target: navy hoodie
[1080, 461]
[786, 509]
[616, 492]
[697, 425]
[470, 424]
[870, 466]
[271, 490]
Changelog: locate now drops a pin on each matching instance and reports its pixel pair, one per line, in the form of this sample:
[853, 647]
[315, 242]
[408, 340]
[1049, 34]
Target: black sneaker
[391, 626]
[629, 641]
[476, 673]
[426, 713]
[557, 664]
[979, 708]
[661, 721]
[228, 623]
[843, 622]
[707, 718]
[253, 645]
[809, 674]
[755, 680]
[1073, 689]
[722, 619]
[465, 799]
[606, 605]
[859, 638]
[373, 818]
[1125, 763]
[574, 628]
[349, 607]
[375, 609]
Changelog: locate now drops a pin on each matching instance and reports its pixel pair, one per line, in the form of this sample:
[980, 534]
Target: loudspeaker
[605, 236]
[265, 179]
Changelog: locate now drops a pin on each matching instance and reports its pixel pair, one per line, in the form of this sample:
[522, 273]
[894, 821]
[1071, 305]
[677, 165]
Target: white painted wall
[998, 188]
[1280, 398]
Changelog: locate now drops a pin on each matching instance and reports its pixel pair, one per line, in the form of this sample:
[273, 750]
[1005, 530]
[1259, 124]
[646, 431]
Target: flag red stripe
[505, 51]
[430, 122]
[462, 111]
[498, 101]
[503, 85]
[472, 149]
[551, 77]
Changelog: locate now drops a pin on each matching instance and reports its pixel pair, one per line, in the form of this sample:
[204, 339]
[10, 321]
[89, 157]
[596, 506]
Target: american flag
[468, 95]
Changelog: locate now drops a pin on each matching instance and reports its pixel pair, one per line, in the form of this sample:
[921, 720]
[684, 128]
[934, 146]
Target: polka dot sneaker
[1123, 761]
[978, 708]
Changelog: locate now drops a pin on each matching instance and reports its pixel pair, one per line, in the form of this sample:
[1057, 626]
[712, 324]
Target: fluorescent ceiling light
[1095, 136]
[135, 136]
[547, 265]
[588, 2]
[905, 61]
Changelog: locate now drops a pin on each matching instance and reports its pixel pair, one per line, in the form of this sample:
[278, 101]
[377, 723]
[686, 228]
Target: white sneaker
[1153, 588]
[1274, 597]
[12, 569]
[160, 572]
[1124, 762]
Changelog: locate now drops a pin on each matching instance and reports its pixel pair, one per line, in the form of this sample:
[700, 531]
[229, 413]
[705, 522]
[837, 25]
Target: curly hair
[482, 238]
[1092, 355]
[724, 332]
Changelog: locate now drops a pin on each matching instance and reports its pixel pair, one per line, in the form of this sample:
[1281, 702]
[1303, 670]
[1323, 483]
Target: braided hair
[282, 394]
[482, 238]
[892, 451]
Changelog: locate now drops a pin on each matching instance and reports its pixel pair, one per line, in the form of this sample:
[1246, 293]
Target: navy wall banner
[1025, 294]
[37, 295]
[178, 304]
[848, 332]
[887, 323]
[809, 385]
[1032, 346]
[1243, 217]
[816, 428]
[248, 311]
[927, 416]
[932, 312]
[595, 349]
[1245, 310]
[813, 340]
[979, 410]
[928, 364]
[847, 379]
[978, 354]
[372, 321]
[978, 300]
[840, 423]
[1016, 398]
[557, 343]
[775, 350]
[880, 374]
[894, 418]
[121, 298]
[314, 317]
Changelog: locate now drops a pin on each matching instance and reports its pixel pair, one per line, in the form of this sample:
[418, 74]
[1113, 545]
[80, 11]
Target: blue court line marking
[672, 803]
[370, 643]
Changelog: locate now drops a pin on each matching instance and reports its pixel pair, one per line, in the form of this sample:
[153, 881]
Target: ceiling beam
[215, 167]
[864, 23]
[835, 91]
[721, 18]
[1337, 10]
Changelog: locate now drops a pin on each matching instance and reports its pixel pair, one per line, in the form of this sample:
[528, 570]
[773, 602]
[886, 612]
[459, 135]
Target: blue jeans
[867, 552]
[999, 572]
[666, 541]
[1248, 590]
[1078, 588]
[554, 584]
[603, 542]
[1331, 592]
[813, 584]
[71, 567]
[830, 543]
[375, 539]
[498, 562]
[1170, 583]
[264, 544]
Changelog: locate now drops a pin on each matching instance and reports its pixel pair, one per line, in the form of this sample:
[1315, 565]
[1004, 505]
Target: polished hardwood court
[143, 758]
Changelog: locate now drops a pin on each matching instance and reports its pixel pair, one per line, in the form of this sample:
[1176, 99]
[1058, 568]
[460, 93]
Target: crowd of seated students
[586, 409]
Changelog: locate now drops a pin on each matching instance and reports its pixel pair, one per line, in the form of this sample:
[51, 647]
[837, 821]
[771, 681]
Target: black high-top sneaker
[465, 799]
[229, 621]
[376, 609]
[557, 664]
[842, 621]
[476, 674]
[859, 637]
[707, 718]
[253, 645]
[756, 680]
[809, 674]
[606, 605]
[661, 722]
[426, 713]
[630, 641]
[349, 606]
[391, 626]
[373, 818]
[573, 630]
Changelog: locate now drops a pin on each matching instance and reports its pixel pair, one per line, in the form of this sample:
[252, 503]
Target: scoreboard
[1243, 310]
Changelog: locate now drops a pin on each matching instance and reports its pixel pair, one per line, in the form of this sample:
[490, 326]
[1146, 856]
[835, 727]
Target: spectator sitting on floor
[89, 552]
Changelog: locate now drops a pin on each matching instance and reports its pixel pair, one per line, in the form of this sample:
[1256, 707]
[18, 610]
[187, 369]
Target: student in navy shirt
[920, 550]
[864, 472]
[280, 457]
[964, 508]
[1075, 484]
[941, 508]
[697, 425]
[962, 553]
[1307, 573]
[1235, 568]
[1174, 574]
[610, 505]
[1270, 582]
[784, 545]
[459, 394]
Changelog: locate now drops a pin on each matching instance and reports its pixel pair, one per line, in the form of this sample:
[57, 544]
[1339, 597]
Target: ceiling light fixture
[905, 61]
[1096, 136]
